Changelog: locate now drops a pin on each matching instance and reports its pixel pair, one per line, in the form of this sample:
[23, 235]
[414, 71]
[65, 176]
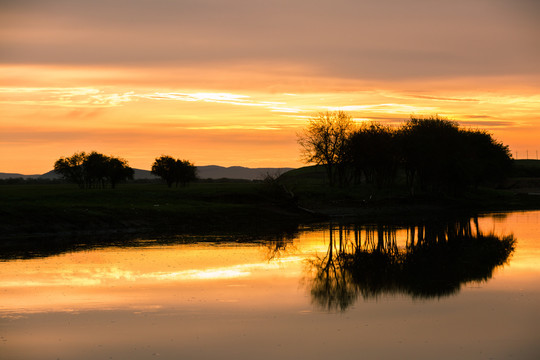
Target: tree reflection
[435, 260]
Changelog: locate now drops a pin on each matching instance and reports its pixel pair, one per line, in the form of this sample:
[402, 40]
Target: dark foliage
[174, 170]
[433, 154]
[440, 157]
[93, 170]
[438, 259]
[372, 151]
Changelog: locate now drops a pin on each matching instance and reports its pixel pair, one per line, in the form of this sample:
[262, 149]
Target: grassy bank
[277, 205]
[205, 207]
[367, 201]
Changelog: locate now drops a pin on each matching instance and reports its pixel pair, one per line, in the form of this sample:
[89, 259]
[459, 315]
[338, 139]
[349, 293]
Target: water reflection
[43, 247]
[435, 260]
[239, 297]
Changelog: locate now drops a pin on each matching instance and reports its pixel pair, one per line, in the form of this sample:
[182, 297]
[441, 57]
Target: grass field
[57, 208]
[296, 197]
[309, 184]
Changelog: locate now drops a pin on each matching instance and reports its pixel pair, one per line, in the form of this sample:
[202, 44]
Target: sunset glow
[233, 85]
[171, 275]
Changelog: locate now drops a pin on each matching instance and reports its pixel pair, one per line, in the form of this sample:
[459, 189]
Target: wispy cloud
[222, 98]
[207, 97]
[92, 97]
[63, 97]
[440, 98]
[389, 108]
[233, 127]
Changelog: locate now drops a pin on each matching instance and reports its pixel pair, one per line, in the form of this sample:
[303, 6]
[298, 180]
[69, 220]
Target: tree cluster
[434, 154]
[93, 170]
[174, 171]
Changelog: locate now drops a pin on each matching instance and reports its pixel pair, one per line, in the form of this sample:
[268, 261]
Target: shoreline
[53, 211]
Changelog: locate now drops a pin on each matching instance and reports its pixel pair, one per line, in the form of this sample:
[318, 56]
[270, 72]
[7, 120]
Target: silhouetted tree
[93, 170]
[324, 140]
[438, 156]
[72, 168]
[174, 170]
[185, 172]
[164, 167]
[434, 153]
[431, 153]
[485, 160]
[118, 170]
[372, 150]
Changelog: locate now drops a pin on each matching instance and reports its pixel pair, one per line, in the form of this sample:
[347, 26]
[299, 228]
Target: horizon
[135, 168]
[235, 83]
[222, 166]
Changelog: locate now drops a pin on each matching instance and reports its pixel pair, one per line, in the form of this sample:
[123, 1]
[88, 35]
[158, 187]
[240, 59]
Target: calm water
[374, 292]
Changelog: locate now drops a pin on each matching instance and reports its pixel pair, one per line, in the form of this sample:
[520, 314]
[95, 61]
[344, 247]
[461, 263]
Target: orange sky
[231, 83]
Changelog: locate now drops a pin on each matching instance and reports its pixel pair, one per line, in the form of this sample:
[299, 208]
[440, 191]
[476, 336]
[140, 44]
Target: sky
[233, 82]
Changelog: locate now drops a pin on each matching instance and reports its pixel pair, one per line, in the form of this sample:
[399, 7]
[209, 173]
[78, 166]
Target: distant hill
[204, 172]
[51, 175]
[237, 172]
[16, 176]
[220, 172]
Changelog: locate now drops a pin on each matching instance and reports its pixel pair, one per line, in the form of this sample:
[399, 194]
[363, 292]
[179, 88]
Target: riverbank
[57, 210]
[369, 202]
[64, 209]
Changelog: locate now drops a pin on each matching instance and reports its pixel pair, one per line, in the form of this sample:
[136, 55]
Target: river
[465, 288]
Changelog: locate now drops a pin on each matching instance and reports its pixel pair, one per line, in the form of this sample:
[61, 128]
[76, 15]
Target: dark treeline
[430, 154]
[93, 170]
[436, 260]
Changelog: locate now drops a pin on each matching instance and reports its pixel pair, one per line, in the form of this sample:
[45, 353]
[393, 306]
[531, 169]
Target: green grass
[526, 168]
[310, 187]
[243, 207]
[60, 208]
[527, 163]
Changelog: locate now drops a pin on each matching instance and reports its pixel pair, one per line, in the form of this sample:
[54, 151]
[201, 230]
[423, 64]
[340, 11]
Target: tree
[72, 168]
[185, 172]
[372, 149]
[164, 167]
[486, 160]
[118, 170]
[441, 157]
[174, 170]
[435, 154]
[93, 170]
[431, 153]
[324, 140]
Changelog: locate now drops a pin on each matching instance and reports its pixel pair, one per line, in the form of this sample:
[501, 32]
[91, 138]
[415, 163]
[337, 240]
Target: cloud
[66, 97]
[390, 108]
[438, 98]
[383, 39]
[95, 98]
[482, 124]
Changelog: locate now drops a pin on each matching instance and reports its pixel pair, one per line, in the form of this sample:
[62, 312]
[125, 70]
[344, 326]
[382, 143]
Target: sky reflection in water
[281, 298]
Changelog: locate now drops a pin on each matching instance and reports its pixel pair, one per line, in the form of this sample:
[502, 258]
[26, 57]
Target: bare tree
[324, 140]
